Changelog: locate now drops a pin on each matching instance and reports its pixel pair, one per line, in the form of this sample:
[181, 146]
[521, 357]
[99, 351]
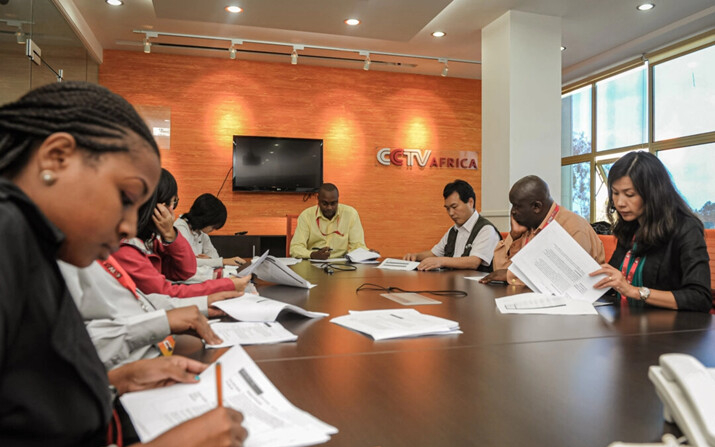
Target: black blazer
[681, 266]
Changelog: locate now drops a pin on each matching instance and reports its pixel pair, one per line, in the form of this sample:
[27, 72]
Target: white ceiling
[596, 33]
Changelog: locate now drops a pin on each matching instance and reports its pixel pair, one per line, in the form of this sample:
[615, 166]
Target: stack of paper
[247, 333]
[289, 261]
[252, 307]
[398, 264]
[396, 323]
[557, 269]
[271, 420]
[272, 270]
[363, 256]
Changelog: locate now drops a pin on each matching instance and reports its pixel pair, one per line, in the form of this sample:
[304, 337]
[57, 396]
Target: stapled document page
[272, 270]
[540, 303]
[554, 263]
[398, 264]
[251, 268]
[250, 333]
[396, 323]
[252, 307]
[271, 420]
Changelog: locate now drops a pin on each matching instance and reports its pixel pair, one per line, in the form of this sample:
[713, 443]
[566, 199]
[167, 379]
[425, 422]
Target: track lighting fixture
[294, 57]
[232, 51]
[20, 35]
[445, 70]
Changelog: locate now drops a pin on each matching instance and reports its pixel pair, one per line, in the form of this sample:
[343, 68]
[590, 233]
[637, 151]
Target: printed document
[272, 270]
[363, 256]
[248, 333]
[554, 263]
[398, 264]
[396, 323]
[252, 307]
[248, 270]
[540, 303]
[271, 420]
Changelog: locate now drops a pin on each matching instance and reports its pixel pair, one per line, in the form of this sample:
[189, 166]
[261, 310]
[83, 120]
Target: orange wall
[355, 112]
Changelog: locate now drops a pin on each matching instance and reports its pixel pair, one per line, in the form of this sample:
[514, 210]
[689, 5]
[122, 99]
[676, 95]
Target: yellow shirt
[343, 233]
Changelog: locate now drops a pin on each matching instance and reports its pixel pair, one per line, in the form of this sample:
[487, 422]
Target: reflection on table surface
[507, 380]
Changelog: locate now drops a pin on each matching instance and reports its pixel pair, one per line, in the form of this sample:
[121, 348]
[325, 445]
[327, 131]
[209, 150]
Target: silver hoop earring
[48, 177]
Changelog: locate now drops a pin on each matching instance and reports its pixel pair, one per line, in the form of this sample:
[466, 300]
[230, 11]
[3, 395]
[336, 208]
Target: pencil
[219, 391]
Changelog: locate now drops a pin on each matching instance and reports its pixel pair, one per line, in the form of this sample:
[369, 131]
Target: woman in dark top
[76, 162]
[661, 258]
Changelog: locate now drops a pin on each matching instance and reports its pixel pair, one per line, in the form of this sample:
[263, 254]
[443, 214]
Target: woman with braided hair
[76, 163]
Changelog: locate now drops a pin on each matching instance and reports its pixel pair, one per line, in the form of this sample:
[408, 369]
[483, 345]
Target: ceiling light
[294, 57]
[352, 22]
[563, 48]
[439, 34]
[232, 52]
[114, 2]
[147, 45]
[233, 9]
[645, 7]
[366, 66]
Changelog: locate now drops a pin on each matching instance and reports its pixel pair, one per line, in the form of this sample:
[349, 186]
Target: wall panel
[355, 112]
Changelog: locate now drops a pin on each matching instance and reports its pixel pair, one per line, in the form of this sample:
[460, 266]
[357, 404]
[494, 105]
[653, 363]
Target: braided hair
[98, 119]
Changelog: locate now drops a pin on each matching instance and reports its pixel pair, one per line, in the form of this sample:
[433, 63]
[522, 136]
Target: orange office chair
[291, 223]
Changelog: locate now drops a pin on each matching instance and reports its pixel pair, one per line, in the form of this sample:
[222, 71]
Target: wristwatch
[644, 292]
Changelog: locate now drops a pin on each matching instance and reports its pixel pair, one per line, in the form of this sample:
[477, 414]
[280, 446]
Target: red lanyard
[317, 222]
[548, 221]
[632, 270]
[113, 268]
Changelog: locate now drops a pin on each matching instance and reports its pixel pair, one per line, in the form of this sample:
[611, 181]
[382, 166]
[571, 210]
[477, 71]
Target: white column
[521, 107]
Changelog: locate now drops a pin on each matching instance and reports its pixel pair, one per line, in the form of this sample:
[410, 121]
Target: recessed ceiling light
[233, 9]
[645, 6]
[563, 48]
[115, 2]
[352, 22]
[439, 34]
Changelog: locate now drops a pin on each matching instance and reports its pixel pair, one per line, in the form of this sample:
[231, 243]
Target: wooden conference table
[509, 380]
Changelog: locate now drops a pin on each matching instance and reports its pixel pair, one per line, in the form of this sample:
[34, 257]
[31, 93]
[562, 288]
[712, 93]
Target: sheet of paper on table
[398, 264]
[252, 307]
[271, 420]
[396, 323]
[540, 303]
[251, 333]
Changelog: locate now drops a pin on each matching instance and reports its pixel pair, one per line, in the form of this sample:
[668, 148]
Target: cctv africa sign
[423, 158]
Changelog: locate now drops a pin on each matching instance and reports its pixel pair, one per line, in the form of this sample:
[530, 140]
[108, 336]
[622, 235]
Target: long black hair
[165, 190]
[663, 207]
[206, 211]
[98, 119]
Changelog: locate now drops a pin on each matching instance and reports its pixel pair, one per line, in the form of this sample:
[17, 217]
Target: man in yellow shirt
[328, 229]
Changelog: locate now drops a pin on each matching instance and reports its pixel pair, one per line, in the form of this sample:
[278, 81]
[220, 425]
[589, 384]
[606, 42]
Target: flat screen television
[271, 164]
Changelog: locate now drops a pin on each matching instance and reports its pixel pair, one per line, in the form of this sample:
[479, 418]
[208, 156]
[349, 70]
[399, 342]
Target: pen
[219, 391]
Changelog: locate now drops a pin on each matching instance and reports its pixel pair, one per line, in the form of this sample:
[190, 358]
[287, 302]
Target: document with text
[273, 270]
[540, 303]
[252, 307]
[396, 323]
[398, 264]
[363, 256]
[271, 420]
[554, 263]
[250, 333]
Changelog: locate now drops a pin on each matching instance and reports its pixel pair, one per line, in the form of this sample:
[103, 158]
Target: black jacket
[53, 387]
[681, 266]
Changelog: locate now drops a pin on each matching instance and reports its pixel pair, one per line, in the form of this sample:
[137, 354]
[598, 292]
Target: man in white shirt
[470, 243]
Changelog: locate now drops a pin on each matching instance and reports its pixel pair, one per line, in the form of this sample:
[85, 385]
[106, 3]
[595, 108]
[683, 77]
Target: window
[691, 169]
[621, 118]
[608, 116]
[684, 99]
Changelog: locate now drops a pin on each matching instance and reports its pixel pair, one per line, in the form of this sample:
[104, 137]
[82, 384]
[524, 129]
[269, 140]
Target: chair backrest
[291, 223]
[710, 242]
[609, 245]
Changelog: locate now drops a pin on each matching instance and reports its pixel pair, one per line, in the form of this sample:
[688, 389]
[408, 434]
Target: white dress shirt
[482, 246]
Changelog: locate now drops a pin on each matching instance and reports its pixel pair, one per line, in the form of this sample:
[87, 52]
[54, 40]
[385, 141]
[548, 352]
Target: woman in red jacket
[160, 254]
